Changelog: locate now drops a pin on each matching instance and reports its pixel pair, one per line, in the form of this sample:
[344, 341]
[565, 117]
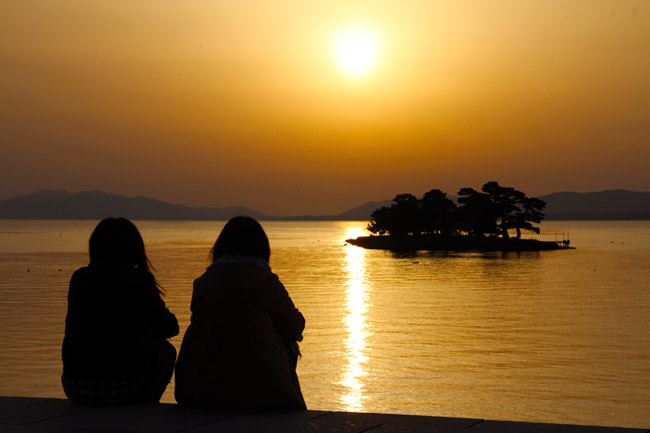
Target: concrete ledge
[35, 415]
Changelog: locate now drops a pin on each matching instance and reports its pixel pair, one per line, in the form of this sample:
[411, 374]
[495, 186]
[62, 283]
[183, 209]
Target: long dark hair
[242, 235]
[116, 242]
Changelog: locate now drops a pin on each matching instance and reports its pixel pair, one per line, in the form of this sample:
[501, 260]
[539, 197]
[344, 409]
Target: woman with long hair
[241, 348]
[115, 349]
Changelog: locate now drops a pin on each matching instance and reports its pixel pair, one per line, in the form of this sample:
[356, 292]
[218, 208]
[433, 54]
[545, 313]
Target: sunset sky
[222, 103]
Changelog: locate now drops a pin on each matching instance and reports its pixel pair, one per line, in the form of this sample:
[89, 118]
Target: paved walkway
[36, 415]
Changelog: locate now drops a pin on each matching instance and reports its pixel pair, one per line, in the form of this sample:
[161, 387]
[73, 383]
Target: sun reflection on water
[356, 326]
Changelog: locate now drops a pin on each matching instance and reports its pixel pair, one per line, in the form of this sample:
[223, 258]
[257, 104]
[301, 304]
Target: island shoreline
[455, 244]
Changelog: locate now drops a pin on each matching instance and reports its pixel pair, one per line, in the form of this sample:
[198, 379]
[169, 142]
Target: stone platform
[37, 415]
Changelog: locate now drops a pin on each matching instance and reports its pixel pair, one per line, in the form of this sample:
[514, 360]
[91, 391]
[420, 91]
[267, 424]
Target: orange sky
[240, 103]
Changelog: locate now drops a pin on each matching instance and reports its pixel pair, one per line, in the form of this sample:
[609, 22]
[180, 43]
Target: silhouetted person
[115, 349]
[240, 351]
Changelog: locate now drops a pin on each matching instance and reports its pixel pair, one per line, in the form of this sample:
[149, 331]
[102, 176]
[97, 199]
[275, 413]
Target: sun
[356, 51]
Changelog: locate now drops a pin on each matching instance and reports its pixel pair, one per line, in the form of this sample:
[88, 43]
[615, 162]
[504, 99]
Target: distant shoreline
[613, 205]
[268, 218]
[455, 244]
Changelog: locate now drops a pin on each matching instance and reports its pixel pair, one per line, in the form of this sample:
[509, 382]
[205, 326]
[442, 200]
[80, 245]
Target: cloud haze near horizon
[240, 103]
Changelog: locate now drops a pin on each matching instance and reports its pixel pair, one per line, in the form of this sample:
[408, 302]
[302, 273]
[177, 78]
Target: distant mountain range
[616, 204]
[98, 204]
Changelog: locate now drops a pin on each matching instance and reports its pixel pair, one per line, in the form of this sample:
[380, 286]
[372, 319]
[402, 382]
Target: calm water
[558, 336]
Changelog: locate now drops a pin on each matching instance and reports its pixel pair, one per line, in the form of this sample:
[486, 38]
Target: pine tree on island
[492, 213]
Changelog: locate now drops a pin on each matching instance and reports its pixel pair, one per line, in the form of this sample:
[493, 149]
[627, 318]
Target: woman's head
[244, 236]
[117, 242]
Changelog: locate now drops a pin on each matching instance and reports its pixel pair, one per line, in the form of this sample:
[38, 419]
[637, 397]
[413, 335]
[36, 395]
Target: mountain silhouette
[98, 205]
[614, 204]
[363, 212]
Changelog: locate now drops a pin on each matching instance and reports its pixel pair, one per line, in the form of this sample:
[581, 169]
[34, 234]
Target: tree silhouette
[491, 212]
[405, 215]
[530, 212]
[514, 209]
[400, 219]
[436, 213]
[506, 202]
[380, 221]
[477, 212]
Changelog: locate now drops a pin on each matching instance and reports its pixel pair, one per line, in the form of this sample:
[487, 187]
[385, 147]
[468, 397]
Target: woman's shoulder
[142, 274]
[104, 273]
[140, 278]
[240, 279]
[84, 270]
[82, 273]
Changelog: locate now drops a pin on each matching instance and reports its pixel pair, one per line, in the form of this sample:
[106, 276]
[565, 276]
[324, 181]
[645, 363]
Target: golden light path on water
[355, 323]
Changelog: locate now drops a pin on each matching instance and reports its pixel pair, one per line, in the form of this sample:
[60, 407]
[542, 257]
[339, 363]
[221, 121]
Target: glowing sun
[356, 51]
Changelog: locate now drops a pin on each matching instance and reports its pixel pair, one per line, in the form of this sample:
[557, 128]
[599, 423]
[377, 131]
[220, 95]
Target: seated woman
[115, 349]
[240, 351]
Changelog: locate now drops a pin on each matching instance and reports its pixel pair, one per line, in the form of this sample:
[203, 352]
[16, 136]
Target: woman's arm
[163, 322]
[287, 318]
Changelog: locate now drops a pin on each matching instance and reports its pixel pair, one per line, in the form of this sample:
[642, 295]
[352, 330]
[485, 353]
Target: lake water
[555, 336]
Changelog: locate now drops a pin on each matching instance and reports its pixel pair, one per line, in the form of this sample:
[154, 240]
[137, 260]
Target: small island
[481, 221]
